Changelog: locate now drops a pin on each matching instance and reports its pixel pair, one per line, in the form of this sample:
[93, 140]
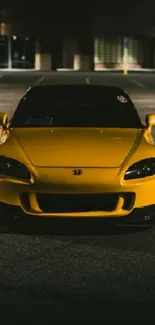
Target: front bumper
[45, 198]
[144, 215]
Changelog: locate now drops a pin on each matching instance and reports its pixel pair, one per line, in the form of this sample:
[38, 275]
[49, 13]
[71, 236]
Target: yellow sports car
[77, 150]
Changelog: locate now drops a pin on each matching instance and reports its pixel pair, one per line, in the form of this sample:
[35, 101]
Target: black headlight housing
[141, 169]
[12, 168]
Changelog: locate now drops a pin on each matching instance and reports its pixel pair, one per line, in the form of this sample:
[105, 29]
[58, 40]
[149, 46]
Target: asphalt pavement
[85, 267]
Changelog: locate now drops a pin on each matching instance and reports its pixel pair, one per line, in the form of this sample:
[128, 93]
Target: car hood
[68, 147]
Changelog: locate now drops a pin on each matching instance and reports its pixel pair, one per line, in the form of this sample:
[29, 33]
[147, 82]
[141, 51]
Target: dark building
[104, 36]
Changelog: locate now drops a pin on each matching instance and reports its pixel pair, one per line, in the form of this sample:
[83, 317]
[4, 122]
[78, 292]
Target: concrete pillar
[148, 53]
[84, 54]
[43, 60]
[153, 51]
[6, 29]
[82, 62]
[68, 53]
[154, 57]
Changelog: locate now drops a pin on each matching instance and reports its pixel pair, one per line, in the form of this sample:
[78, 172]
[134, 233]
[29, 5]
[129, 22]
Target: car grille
[60, 203]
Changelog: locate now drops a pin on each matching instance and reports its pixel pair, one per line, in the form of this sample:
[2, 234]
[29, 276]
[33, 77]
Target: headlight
[143, 168]
[13, 168]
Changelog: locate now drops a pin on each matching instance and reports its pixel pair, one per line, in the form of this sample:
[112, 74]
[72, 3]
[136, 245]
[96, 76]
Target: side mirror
[3, 120]
[150, 121]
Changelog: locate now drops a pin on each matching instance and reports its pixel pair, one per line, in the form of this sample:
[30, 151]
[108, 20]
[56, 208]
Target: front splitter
[143, 215]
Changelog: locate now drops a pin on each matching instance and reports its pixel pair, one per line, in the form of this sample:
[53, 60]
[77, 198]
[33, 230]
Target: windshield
[76, 106]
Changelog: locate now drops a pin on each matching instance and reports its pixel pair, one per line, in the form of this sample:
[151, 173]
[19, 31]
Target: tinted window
[76, 106]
